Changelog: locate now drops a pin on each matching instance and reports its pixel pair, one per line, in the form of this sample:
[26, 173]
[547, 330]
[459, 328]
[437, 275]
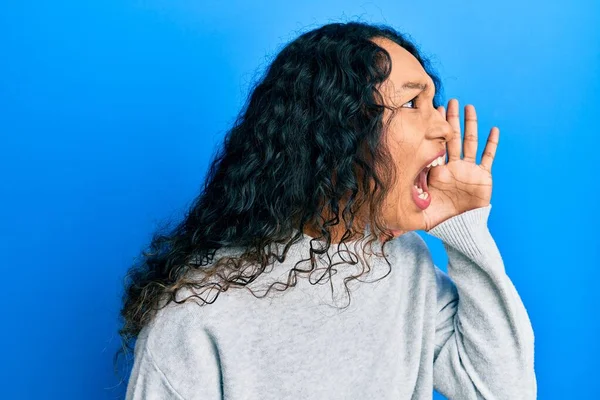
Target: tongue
[423, 180]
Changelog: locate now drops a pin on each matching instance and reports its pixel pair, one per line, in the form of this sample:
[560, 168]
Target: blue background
[110, 110]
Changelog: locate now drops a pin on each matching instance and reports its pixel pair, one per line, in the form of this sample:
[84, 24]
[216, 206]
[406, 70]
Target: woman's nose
[443, 128]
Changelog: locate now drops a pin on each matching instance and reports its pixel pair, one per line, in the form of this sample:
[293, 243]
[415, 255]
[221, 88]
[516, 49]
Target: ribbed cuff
[468, 233]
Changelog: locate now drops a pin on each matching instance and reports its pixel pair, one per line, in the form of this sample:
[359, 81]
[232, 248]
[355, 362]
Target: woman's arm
[484, 338]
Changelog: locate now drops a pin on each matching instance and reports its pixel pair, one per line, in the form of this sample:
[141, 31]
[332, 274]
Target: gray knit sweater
[466, 334]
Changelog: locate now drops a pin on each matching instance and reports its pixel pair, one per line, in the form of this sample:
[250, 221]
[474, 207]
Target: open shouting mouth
[420, 191]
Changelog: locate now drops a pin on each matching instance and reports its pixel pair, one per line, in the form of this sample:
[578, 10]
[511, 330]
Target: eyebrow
[413, 85]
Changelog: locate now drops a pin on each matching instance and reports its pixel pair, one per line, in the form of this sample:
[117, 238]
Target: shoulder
[170, 327]
[177, 339]
[196, 318]
[411, 246]
[171, 345]
[196, 309]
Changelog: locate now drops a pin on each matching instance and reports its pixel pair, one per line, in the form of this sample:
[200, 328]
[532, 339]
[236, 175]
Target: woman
[345, 123]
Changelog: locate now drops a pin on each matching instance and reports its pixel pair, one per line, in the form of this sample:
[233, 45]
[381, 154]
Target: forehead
[405, 67]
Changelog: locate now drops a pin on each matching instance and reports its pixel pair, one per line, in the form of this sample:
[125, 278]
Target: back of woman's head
[308, 139]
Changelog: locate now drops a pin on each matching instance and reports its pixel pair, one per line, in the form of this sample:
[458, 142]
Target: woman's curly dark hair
[309, 136]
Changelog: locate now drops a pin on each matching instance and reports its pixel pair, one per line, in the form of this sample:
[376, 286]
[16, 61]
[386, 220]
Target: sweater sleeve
[484, 338]
[148, 382]
[175, 358]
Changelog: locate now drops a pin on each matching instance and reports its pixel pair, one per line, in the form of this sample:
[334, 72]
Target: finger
[489, 153]
[442, 111]
[454, 145]
[470, 139]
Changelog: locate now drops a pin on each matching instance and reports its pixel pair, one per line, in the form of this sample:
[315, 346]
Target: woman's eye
[409, 102]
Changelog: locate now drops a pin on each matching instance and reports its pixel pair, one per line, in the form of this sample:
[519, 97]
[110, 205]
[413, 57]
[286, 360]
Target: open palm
[460, 184]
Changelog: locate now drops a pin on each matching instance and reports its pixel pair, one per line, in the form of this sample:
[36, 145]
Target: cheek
[403, 149]
[397, 199]
[404, 165]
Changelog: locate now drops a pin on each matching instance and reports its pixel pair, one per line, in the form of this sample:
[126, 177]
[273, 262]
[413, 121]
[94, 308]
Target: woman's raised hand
[460, 184]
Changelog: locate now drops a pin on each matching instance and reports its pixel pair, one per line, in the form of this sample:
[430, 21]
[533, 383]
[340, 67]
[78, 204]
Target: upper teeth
[436, 162]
